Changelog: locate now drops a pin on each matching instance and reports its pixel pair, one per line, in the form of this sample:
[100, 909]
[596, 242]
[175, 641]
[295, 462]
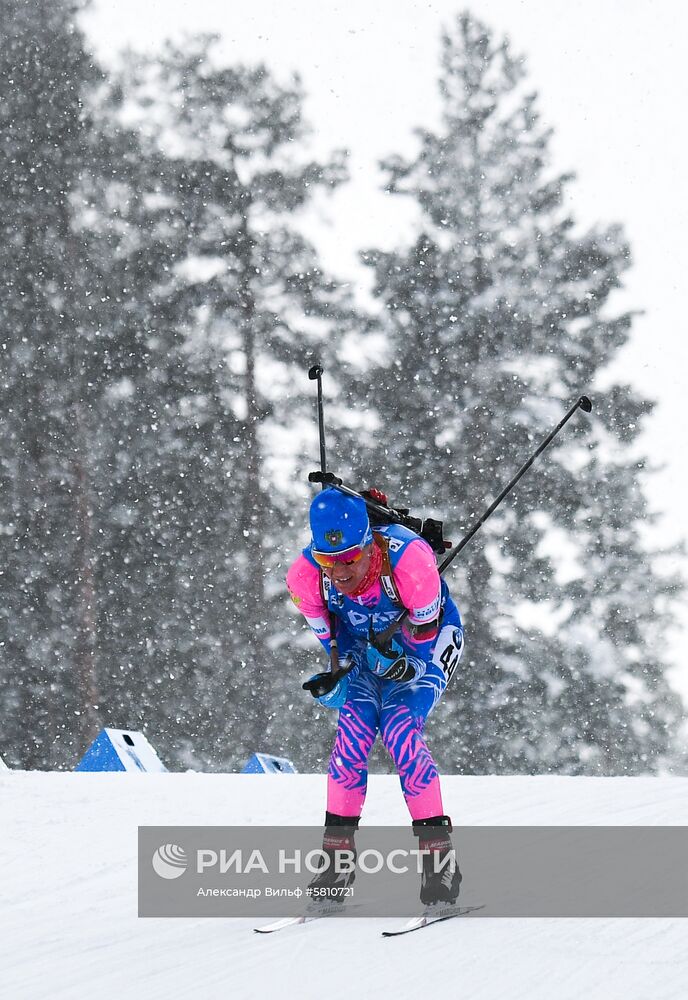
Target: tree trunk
[85, 645]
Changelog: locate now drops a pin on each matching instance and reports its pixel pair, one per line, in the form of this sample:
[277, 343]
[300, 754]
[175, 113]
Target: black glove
[391, 663]
[322, 683]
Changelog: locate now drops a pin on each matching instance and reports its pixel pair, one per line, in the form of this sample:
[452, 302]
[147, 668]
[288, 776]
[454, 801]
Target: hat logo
[334, 537]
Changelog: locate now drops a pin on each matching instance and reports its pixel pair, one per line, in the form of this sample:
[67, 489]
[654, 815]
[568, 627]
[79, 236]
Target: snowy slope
[68, 909]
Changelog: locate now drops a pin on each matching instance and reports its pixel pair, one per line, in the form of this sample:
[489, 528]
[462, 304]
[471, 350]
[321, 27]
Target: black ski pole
[381, 639]
[315, 373]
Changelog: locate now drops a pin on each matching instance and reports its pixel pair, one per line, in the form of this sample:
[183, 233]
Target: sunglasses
[328, 559]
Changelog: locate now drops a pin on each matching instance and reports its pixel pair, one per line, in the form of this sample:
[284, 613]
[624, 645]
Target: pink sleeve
[419, 585]
[303, 581]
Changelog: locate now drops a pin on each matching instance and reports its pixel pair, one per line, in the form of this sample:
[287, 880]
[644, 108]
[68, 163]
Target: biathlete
[350, 578]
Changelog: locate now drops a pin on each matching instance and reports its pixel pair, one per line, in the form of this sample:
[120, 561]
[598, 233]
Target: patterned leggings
[398, 712]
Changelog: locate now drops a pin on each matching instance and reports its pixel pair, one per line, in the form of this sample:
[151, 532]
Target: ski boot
[441, 878]
[333, 881]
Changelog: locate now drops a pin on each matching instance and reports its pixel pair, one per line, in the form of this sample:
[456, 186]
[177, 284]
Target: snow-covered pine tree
[497, 317]
[48, 694]
[160, 462]
[223, 329]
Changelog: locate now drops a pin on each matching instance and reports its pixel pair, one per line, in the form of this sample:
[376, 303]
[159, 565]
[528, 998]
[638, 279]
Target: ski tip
[430, 918]
[279, 925]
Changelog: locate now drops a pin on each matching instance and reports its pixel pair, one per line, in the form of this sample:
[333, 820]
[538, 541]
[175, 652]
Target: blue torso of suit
[354, 616]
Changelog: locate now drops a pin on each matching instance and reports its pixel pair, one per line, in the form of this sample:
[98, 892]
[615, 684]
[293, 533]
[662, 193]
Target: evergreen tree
[497, 317]
[157, 305]
[48, 695]
[228, 304]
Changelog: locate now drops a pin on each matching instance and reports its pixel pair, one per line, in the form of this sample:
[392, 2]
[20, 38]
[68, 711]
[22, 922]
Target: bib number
[448, 650]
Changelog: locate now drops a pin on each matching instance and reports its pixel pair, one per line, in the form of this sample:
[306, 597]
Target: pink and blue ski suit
[432, 639]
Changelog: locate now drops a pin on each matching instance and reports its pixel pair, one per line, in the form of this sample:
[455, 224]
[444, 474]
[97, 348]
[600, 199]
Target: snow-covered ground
[69, 927]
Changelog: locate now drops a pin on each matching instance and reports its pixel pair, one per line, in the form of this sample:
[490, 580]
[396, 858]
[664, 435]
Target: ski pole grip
[328, 478]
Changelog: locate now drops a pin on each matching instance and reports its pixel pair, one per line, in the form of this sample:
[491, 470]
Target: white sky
[612, 78]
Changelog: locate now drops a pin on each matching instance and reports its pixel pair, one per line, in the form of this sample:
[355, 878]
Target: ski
[313, 913]
[430, 917]
[278, 925]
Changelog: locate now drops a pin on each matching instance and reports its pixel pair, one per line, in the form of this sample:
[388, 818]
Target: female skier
[349, 579]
